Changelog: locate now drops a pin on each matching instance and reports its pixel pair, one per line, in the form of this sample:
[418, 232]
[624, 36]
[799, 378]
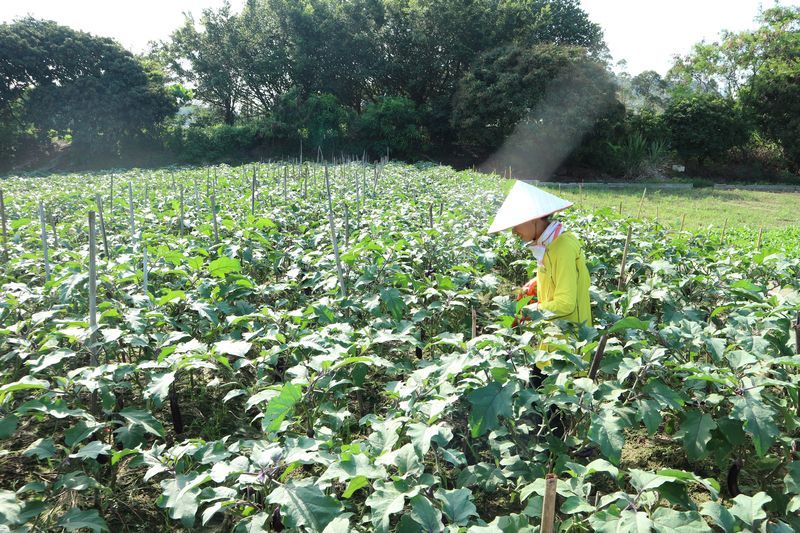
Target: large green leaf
[25, 383]
[223, 266]
[426, 515]
[234, 348]
[750, 509]
[305, 505]
[180, 496]
[695, 432]
[758, 420]
[75, 519]
[671, 521]
[92, 450]
[10, 508]
[144, 419]
[158, 388]
[351, 467]
[393, 301]
[8, 425]
[386, 500]
[457, 505]
[663, 394]
[791, 480]
[281, 406]
[629, 322]
[80, 431]
[488, 404]
[607, 431]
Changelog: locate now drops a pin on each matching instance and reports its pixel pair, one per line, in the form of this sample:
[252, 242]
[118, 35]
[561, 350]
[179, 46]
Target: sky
[644, 33]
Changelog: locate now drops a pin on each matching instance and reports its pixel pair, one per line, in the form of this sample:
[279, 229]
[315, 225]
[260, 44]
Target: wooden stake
[598, 355]
[621, 281]
[641, 203]
[549, 503]
[430, 215]
[214, 217]
[5, 231]
[92, 290]
[333, 236]
[285, 177]
[474, 322]
[99, 201]
[44, 242]
[620, 207]
[760, 234]
[683, 222]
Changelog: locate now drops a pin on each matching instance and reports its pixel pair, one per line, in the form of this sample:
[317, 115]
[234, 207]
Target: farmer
[562, 279]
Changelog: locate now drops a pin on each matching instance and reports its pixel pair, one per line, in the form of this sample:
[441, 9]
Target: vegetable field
[219, 361]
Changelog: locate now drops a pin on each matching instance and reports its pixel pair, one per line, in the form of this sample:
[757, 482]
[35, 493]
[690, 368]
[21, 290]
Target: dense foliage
[62, 83]
[237, 387]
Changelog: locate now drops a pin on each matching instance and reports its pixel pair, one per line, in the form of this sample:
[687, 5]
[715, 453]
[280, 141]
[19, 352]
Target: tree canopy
[61, 82]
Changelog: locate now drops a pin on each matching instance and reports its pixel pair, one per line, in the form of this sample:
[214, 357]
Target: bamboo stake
[111, 200]
[333, 236]
[92, 290]
[621, 281]
[683, 222]
[430, 215]
[760, 234]
[99, 201]
[620, 207]
[196, 196]
[5, 231]
[797, 351]
[253, 194]
[55, 231]
[44, 242]
[180, 220]
[641, 203]
[346, 225]
[144, 267]
[549, 504]
[130, 209]
[722, 236]
[285, 176]
[214, 217]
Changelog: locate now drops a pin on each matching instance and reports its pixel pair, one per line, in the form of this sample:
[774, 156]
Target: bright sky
[646, 33]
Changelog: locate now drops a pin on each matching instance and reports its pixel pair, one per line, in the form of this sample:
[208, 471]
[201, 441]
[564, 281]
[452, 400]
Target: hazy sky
[645, 33]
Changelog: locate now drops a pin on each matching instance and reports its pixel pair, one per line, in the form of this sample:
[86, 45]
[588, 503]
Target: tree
[725, 67]
[773, 98]
[333, 46]
[705, 126]
[538, 103]
[391, 123]
[206, 58]
[60, 80]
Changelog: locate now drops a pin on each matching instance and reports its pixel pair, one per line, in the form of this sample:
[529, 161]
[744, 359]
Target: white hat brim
[523, 203]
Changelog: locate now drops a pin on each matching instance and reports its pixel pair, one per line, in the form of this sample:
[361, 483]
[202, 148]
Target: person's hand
[529, 289]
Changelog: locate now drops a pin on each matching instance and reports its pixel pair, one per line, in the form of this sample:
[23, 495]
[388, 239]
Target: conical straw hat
[523, 203]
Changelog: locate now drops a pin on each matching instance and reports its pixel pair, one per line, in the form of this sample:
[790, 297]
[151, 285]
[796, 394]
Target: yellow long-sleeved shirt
[563, 281]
